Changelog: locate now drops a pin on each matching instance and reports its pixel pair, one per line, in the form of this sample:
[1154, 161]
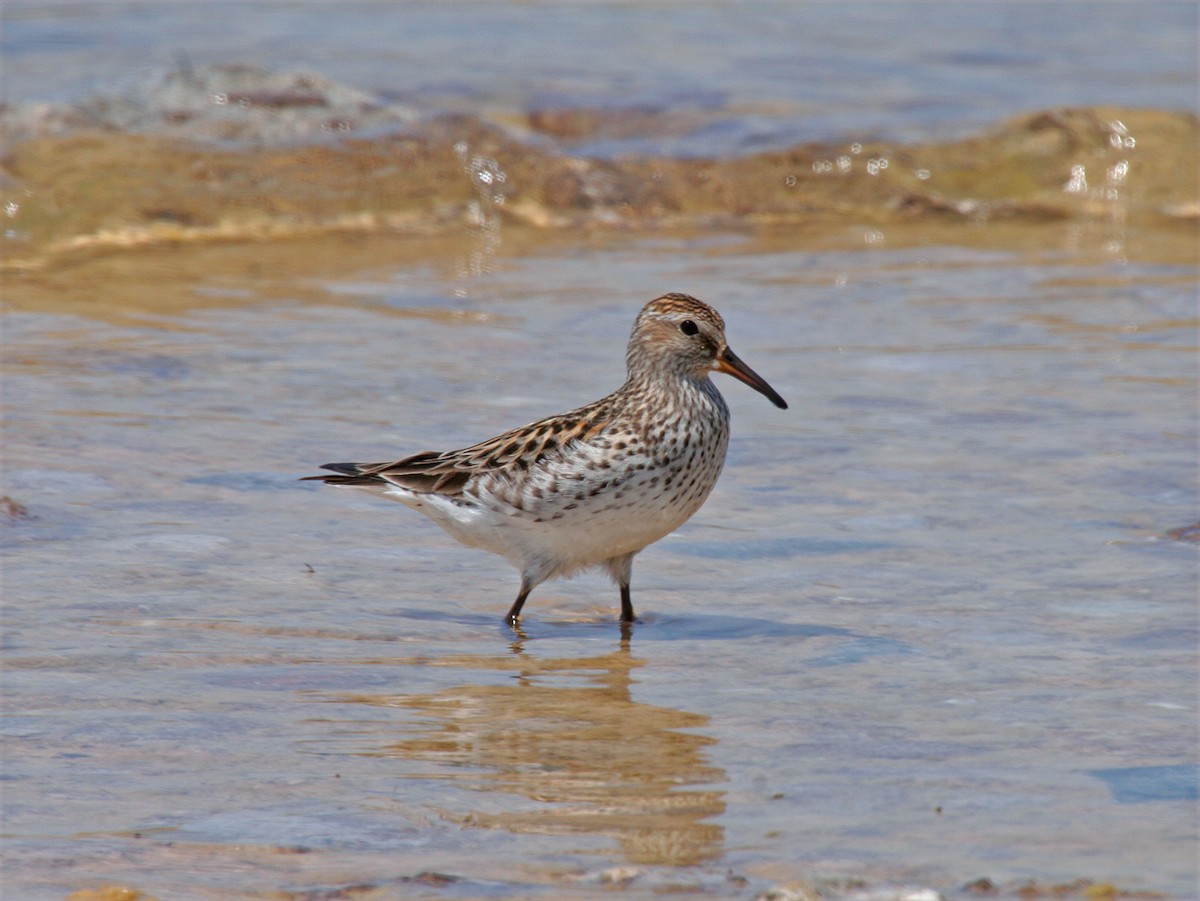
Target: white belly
[608, 512]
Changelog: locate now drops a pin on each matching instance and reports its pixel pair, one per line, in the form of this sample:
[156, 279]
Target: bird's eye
[688, 327]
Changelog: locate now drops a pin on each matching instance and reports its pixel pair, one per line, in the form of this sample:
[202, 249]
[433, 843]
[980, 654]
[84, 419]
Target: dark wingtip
[345, 469]
[342, 469]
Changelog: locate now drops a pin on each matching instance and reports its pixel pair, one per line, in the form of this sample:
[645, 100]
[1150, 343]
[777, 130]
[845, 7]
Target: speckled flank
[594, 486]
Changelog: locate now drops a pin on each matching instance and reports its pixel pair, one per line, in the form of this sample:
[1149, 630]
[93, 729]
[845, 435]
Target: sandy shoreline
[286, 159]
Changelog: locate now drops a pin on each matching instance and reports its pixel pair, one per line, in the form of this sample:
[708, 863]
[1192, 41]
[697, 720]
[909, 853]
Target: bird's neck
[668, 391]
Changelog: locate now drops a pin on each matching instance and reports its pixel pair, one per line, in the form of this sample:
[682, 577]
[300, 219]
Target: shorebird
[594, 486]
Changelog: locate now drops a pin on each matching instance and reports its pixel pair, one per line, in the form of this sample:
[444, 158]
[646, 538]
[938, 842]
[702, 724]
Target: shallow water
[771, 75]
[929, 628]
[936, 624]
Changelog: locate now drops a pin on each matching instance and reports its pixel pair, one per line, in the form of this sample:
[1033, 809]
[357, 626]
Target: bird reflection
[567, 734]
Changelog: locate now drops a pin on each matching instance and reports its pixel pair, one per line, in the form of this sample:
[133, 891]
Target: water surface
[936, 625]
[928, 629]
[770, 75]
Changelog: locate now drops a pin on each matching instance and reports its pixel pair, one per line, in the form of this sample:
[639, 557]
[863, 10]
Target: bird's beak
[730, 363]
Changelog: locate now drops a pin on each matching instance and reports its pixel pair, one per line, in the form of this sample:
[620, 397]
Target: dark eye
[688, 327]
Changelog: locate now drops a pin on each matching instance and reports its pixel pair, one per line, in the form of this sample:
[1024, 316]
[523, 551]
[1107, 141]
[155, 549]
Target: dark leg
[626, 605]
[514, 612]
[621, 570]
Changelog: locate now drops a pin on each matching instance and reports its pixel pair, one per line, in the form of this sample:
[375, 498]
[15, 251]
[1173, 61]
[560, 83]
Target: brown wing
[448, 472]
[425, 472]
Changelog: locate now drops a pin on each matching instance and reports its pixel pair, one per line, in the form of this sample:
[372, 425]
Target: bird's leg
[514, 612]
[621, 570]
[626, 605]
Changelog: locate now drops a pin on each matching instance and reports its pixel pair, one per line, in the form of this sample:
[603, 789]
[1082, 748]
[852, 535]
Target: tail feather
[425, 473]
[347, 474]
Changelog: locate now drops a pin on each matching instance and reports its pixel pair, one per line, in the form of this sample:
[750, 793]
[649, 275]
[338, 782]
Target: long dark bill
[732, 364]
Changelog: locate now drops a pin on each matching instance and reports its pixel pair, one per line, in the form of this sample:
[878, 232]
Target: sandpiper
[594, 486]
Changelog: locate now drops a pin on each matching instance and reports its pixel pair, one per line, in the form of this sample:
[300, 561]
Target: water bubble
[844, 163]
[1118, 172]
[1078, 181]
[486, 177]
[873, 236]
[1119, 135]
[822, 167]
[856, 149]
[790, 181]
[874, 167]
[485, 172]
[221, 99]
[11, 208]
[923, 174]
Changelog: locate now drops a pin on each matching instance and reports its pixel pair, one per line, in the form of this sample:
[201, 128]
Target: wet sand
[141, 212]
[89, 191]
